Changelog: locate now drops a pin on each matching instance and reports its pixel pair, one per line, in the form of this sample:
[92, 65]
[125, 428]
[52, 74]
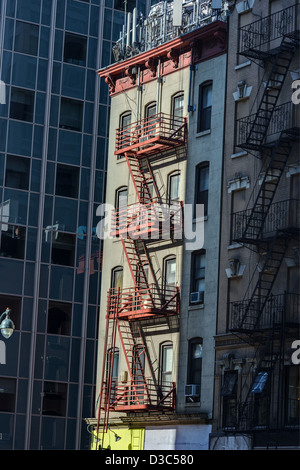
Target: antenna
[134, 26]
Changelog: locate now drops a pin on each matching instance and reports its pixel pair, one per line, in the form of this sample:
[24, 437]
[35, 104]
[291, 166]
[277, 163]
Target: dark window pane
[71, 114]
[17, 172]
[8, 395]
[54, 399]
[26, 38]
[59, 318]
[67, 181]
[63, 249]
[75, 49]
[22, 104]
[201, 190]
[12, 241]
[205, 104]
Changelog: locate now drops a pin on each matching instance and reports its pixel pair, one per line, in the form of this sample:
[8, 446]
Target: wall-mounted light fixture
[7, 325]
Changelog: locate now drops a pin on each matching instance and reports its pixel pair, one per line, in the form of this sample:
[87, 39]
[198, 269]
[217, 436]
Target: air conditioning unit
[196, 297]
[192, 390]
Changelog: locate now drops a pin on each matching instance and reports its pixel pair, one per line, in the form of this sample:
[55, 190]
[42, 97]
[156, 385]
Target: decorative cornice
[207, 42]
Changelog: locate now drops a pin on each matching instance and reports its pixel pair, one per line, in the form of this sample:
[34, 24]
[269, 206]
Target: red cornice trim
[173, 48]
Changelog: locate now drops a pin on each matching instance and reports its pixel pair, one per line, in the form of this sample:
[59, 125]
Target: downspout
[158, 89]
[191, 107]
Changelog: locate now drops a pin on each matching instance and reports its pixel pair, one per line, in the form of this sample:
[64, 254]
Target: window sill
[241, 66]
[201, 134]
[239, 154]
[196, 306]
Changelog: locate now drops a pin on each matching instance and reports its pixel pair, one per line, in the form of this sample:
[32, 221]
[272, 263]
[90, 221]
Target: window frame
[194, 279]
[204, 112]
[201, 195]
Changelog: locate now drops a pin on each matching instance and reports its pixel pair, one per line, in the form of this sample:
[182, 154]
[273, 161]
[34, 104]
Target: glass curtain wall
[53, 141]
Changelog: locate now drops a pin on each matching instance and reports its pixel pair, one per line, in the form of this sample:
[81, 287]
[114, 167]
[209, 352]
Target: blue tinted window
[38, 141]
[19, 138]
[77, 17]
[26, 38]
[42, 75]
[17, 202]
[3, 129]
[73, 81]
[69, 147]
[65, 213]
[24, 71]
[21, 104]
[61, 283]
[29, 11]
[11, 275]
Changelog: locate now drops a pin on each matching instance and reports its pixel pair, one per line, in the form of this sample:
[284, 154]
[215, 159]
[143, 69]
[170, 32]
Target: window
[138, 367]
[125, 119]
[54, 399]
[12, 241]
[21, 104]
[204, 107]
[166, 362]
[150, 110]
[173, 192]
[59, 318]
[117, 277]
[170, 272]
[8, 395]
[198, 277]
[63, 249]
[17, 172]
[194, 365]
[124, 131]
[71, 114]
[67, 181]
[292, 412]
[112, 367]
[121, 197]
[177, 105]
[26, 38]
[229, 394]
[75, 49]
[201, 183]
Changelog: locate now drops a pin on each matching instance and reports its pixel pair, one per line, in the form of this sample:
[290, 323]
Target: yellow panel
[131, 439]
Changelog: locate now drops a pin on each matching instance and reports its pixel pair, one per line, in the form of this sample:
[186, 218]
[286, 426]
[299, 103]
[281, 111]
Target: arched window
[124, 130]
[173, 186]
[121, 197]
[177, 102]
[166, 362]
[204, 107]
[117, 277]
[170, 271]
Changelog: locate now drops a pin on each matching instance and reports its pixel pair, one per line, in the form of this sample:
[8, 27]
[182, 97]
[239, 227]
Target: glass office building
[53, 139]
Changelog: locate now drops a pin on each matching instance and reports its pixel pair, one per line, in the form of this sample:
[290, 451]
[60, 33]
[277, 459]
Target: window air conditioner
[192, 390]
[196, 297]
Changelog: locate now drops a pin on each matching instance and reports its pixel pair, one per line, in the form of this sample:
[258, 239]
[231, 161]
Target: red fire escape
[129, 309]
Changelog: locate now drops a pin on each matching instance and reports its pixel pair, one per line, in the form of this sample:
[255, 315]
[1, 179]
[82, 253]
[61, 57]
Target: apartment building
[256, 403]
[158, 297]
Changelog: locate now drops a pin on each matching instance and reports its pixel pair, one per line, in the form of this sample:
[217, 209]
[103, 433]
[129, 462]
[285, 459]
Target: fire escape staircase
[127, 308]
[249, 226]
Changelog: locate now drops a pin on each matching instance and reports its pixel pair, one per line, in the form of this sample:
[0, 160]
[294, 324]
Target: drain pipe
[159, 81]
[193, 68]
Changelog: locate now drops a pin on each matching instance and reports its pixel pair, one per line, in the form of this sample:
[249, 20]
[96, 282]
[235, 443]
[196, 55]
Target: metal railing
[281, 215]
[278, 309]
[139, 302]
[139, 394]
[284, 117]
[259, 34]
[148, 221]
[159, 127]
